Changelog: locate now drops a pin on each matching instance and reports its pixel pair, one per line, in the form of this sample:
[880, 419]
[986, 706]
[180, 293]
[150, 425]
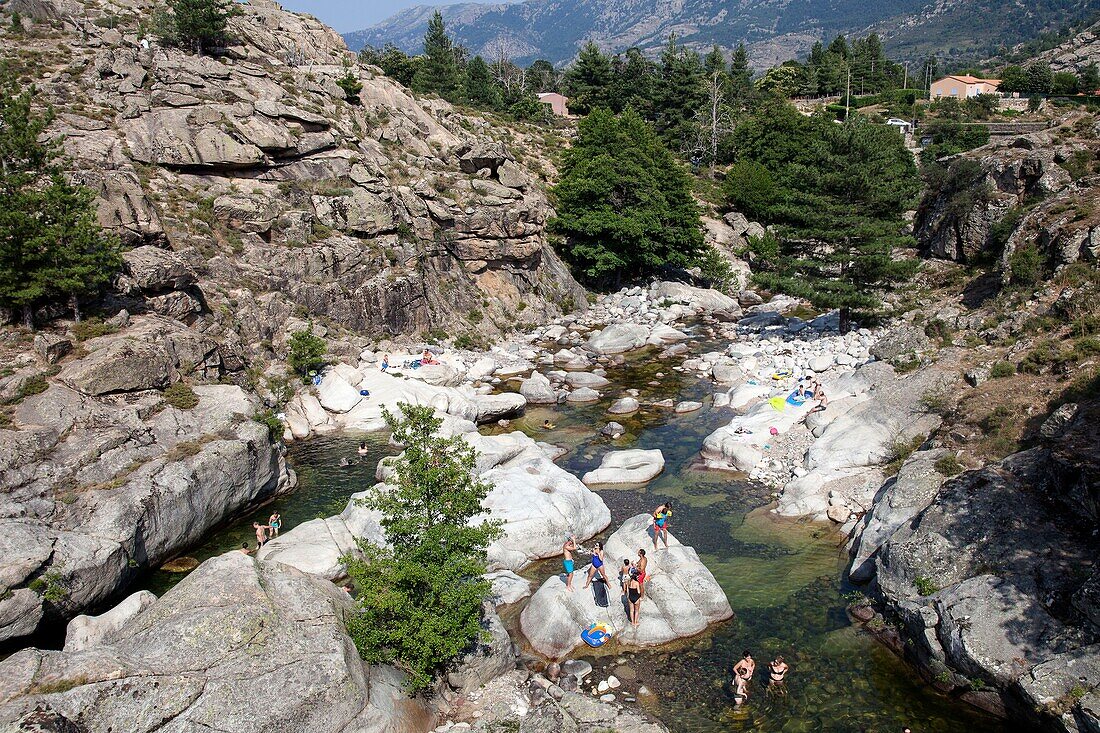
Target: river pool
[784, 578]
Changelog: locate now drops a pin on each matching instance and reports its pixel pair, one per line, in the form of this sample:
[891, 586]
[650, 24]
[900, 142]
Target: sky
[354, 15]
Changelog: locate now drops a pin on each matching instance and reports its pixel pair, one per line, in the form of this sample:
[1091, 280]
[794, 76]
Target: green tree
[633, 83]
[51, 247]
[740, 72]
[841, 190]
[624, 204]
[1013, 80]
[438, 72]
[480, 89]
[200, 24]
[680, 93]
[350, 83]
[1089, 79]
[420, 598]
[307, 352]
[783, 81]
[1040, 79]
[1065, 82]
[588, 82]
[750, 188]
[394, 62]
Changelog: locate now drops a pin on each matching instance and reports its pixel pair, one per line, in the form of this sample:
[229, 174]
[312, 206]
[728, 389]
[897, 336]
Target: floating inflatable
[794, 399]
[596, 634]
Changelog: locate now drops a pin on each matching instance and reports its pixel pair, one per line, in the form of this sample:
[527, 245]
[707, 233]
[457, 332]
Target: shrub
[1025, 266]
[900, 452]
[31, 386]
[90, 328]
[274, 425]
[1002, 369]
[351, 85]
[180, 396]
[949, 465]
[307, 353]
[924, 585]
[50, 587]
[939, 331]
[1045, 356]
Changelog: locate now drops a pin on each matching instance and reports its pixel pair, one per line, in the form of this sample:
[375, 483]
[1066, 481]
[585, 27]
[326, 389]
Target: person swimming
[363, 449]
[547, 425]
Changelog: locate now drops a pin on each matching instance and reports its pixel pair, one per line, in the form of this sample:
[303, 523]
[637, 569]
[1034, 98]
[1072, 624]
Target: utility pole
[848, 95]
[905, 79]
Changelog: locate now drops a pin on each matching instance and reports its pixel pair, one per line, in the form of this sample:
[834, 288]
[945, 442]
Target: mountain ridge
[773, 30]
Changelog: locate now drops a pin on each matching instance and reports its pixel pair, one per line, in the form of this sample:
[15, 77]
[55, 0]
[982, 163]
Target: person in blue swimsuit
[662, 517]
[597, 566]
[568, 549]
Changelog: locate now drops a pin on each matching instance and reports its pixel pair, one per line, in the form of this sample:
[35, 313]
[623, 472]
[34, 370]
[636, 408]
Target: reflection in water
[782, 577]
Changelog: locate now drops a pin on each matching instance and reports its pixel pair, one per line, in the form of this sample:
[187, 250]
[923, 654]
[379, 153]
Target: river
[784, 578]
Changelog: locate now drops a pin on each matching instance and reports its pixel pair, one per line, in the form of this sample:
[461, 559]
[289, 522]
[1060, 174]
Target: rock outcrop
[681, 598]
[1029, 191]
[95, 490]
[991, 577]
[236, 646]
[625, 467]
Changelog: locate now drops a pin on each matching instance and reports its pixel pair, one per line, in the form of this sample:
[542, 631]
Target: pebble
[607, 698]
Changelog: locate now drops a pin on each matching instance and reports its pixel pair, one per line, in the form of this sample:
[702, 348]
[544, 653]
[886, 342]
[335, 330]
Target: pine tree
[588, 82]
[714, 62]
[420, 598]
[480, 90]
[680, 93]
[740, 72]
[632, 87]
[438, 72]
[200, 24]
[835, 195]
[51, 247]
[624, 204]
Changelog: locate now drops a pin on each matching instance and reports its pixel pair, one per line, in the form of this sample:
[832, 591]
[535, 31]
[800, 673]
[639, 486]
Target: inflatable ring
[596, 635]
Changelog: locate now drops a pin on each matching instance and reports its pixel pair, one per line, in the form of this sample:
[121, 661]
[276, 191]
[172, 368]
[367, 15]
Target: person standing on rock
[662, 517]
[634, 597]
[643, 563]
[274, 522]
[568, 549]
[818, 394]
[261, 534]
[385, 362]
[597, 566]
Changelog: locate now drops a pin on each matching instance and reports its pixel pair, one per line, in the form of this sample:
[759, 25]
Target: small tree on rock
[420, 598]
[307, 353]
[438, 72]
[199, 24]
[51, 246]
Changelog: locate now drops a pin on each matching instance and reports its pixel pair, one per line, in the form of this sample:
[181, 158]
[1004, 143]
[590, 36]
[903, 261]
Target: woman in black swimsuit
[777, 672]
[634, 597]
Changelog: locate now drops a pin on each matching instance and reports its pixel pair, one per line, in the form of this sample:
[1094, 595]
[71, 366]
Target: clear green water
[323, 490]
[782, 577]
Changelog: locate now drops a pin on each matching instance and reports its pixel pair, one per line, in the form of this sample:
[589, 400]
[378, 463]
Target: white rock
[89, 631]
[624, 406]
[583, 394]
[618, 338]
[336, 395]
[688, 406]
[634, 466]
[682, 598]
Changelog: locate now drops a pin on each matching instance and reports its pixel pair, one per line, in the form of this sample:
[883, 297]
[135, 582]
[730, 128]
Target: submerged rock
[626, 467]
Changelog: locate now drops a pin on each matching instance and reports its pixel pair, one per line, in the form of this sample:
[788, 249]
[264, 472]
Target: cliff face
[253, 196]
[379, 214]
[1033, 189]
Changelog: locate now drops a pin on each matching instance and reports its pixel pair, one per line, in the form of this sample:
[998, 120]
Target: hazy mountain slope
[775, 30]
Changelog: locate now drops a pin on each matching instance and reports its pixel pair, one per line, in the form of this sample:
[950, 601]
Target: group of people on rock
[264, 532]
[632, 578]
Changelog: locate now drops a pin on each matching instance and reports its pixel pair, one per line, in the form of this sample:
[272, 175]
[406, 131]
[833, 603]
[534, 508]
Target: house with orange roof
[964, 86]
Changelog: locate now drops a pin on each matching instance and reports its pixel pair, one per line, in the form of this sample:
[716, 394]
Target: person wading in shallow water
[261, 534]
[742, 674]
[662, 517]
[568, 549]
[777, 673]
